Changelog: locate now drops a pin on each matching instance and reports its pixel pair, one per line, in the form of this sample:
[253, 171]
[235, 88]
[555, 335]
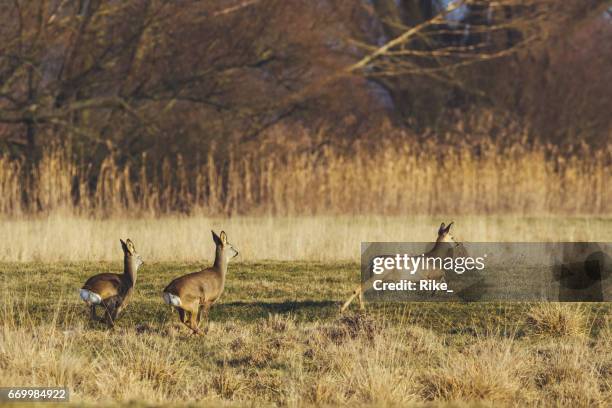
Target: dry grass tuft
[489, 370]
[558, 320]
[569, 373]
[227, 384]
[296, 363]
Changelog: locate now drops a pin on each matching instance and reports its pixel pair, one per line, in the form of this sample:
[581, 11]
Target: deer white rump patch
[90, 297]
[171, 299]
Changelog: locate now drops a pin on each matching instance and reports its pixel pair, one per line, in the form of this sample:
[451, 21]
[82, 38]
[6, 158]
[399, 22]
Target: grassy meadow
[65, 237]
[276, 338]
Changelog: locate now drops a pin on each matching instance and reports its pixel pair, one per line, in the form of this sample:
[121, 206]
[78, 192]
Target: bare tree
[432, 50]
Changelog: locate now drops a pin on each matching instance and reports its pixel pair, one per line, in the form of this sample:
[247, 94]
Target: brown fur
[115, 289]
[444, 236]
[198, 291]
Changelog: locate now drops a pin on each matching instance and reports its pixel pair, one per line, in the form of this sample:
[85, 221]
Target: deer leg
[92, 312]
[117, 310]
[350, 299]
[189, 317]
[108, 314]
[193, 321]
[181, 314]
[348, 302]
[361, 302]
[442, 279]
[205, 308]
[199, 316]
[185, 317]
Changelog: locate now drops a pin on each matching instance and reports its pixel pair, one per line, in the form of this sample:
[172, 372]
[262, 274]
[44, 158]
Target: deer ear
[441, 230]
[216, 238]
[448, 226]
[123, 246]
[223, 237]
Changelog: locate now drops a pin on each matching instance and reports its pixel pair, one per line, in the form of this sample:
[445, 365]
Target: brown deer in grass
[444, 242]
[111, 290]
[196, 292]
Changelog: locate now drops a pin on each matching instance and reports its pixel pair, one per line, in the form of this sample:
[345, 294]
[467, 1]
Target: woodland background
[277, 107]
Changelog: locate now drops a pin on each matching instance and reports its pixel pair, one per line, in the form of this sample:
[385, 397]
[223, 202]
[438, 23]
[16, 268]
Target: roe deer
[444, 242]
[196, 292]
[112, 290]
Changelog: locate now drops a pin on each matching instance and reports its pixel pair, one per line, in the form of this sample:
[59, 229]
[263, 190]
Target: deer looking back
[444, 242]
[196, 292]
[110, 290]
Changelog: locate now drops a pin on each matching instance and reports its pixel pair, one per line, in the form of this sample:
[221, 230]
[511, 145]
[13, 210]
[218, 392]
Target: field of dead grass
[60, 237]
[276, 339]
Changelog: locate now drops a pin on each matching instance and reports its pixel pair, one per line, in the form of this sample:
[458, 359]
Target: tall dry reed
[402, 177]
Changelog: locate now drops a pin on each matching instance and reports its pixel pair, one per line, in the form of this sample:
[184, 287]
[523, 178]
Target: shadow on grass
[253, 310]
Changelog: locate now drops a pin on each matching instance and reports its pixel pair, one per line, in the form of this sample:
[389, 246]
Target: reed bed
[395, 178]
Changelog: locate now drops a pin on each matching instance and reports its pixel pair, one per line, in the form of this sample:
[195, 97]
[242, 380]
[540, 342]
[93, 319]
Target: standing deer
[112, 290]
[444, 242]
[196, 292]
